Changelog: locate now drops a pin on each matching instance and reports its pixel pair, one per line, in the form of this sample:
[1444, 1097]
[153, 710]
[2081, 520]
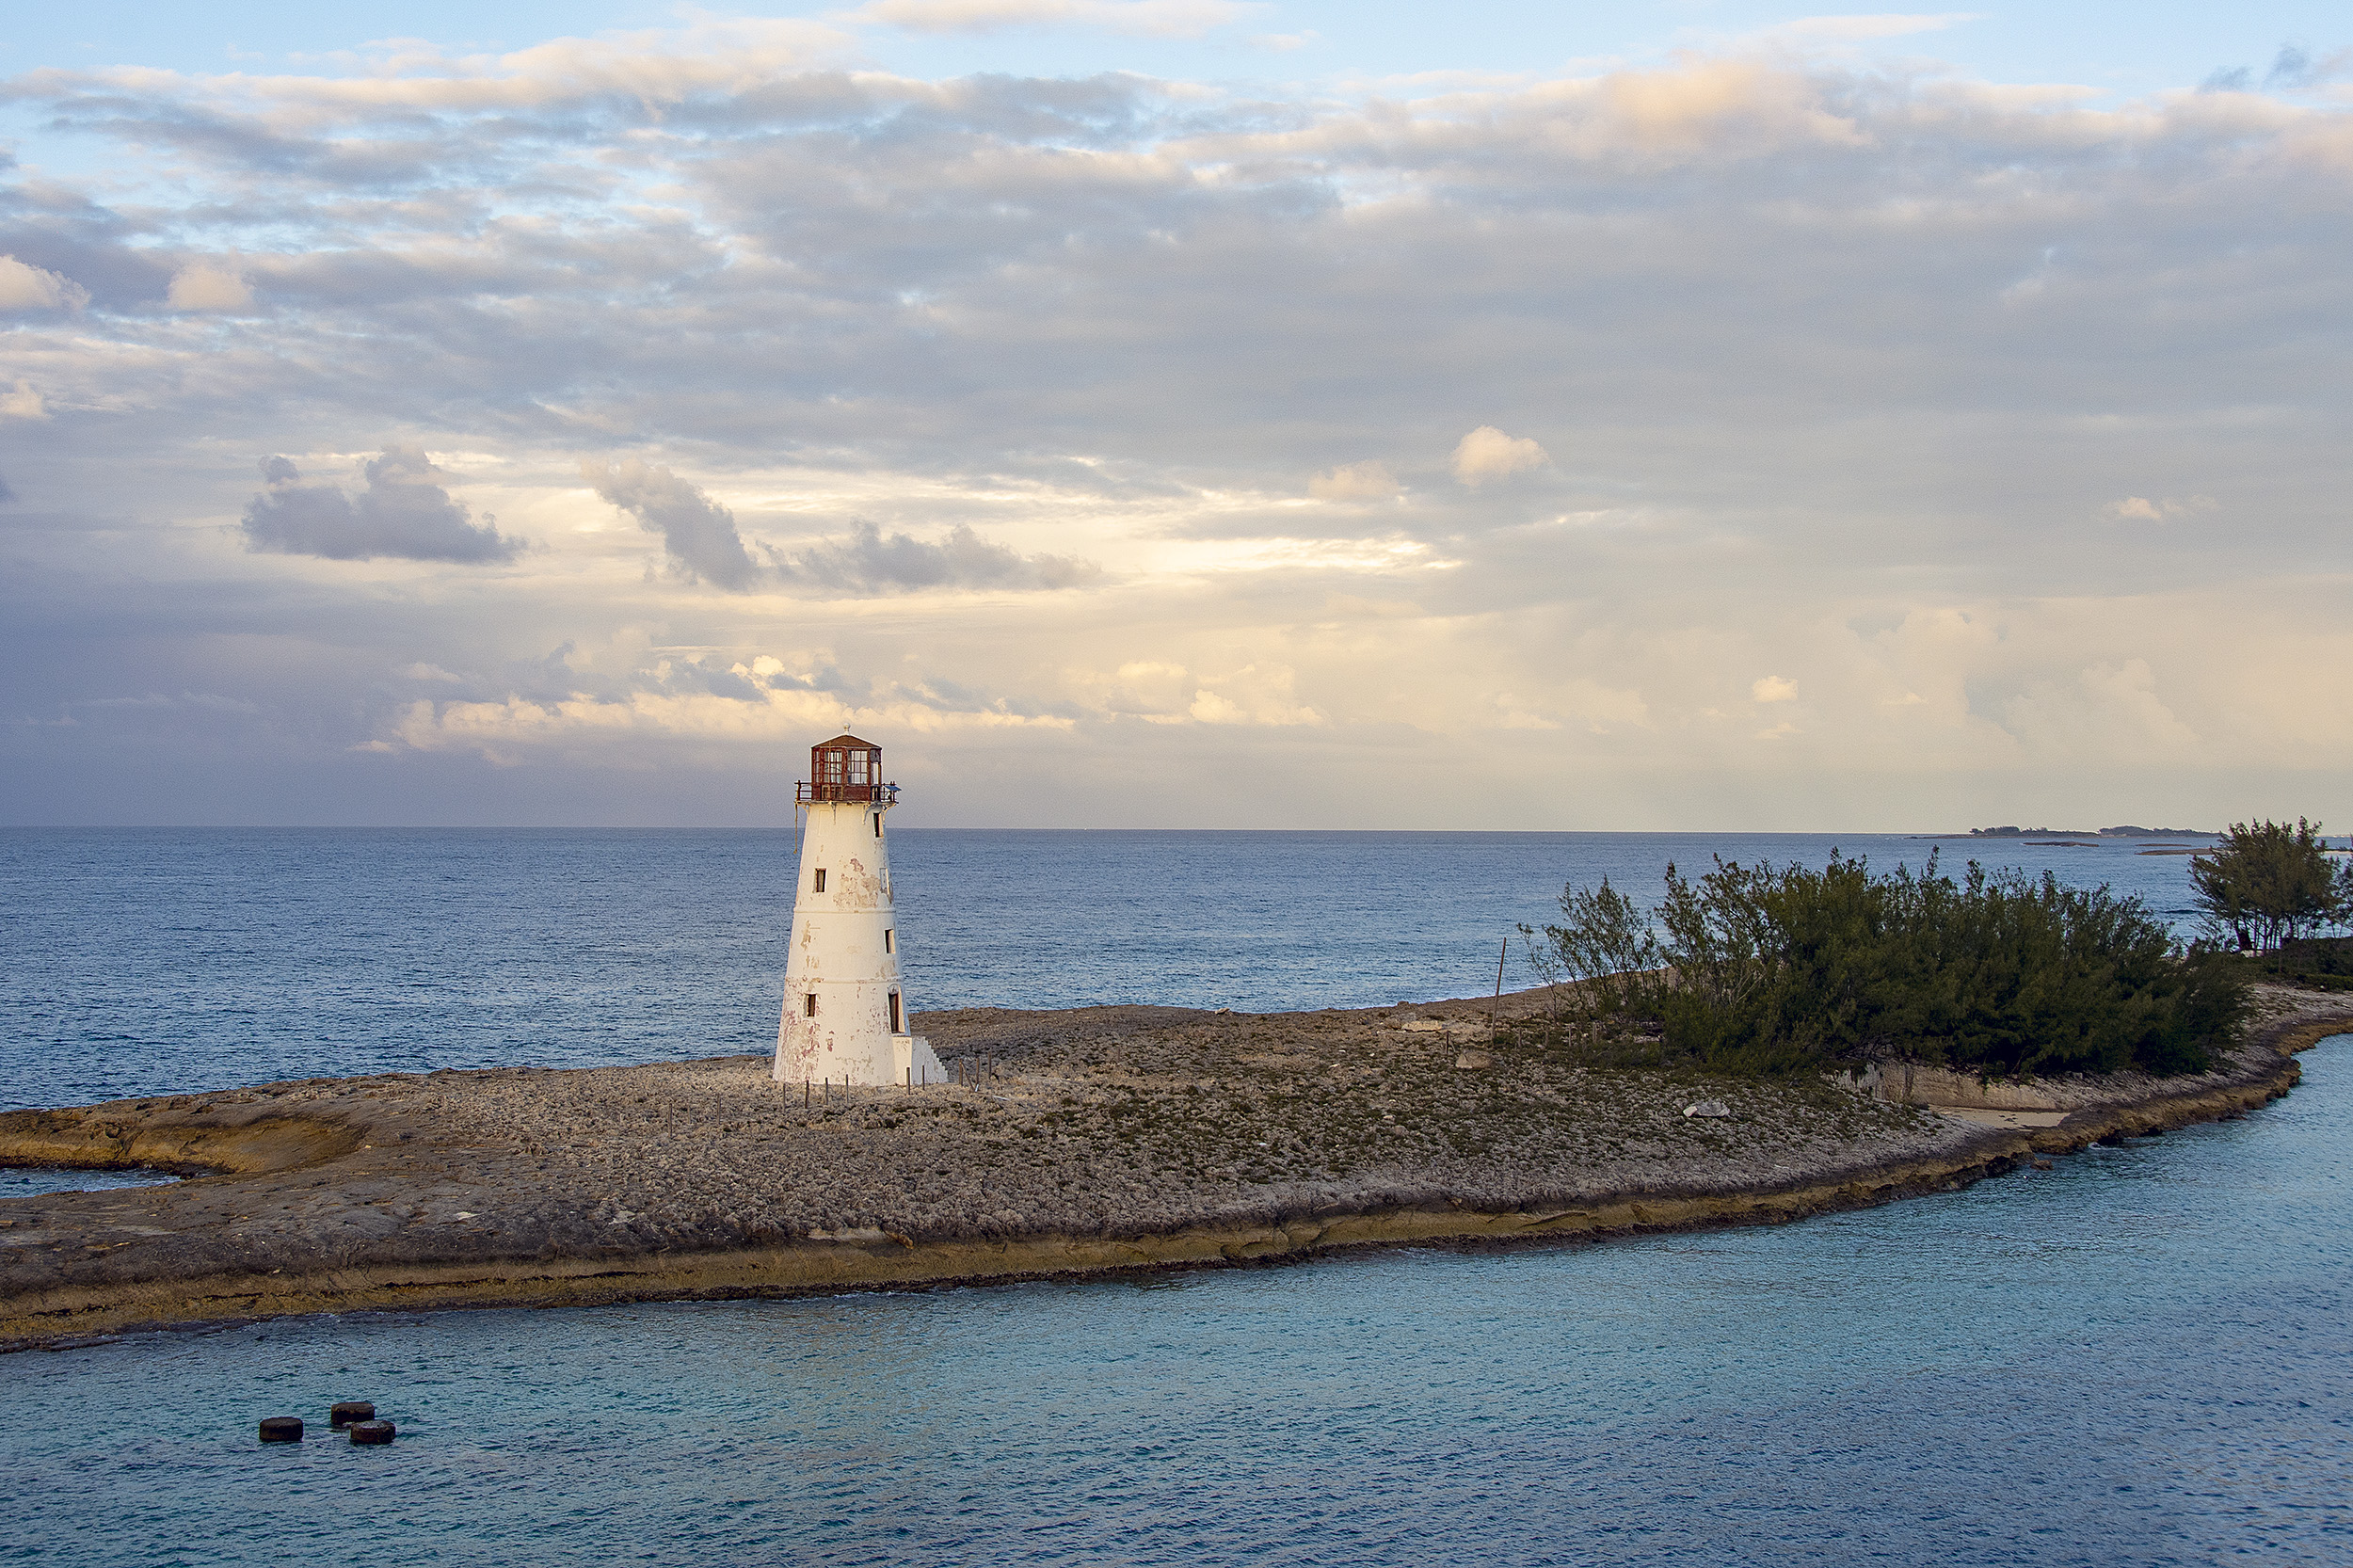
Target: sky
[1177, 413]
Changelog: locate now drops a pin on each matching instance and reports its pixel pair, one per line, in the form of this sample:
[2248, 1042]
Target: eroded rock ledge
[1086, 1141]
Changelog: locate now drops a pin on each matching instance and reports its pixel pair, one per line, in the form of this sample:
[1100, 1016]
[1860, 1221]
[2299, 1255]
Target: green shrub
[1783, 969]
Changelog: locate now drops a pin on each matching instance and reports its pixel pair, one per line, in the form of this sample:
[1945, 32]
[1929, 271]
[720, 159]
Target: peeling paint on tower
[846, 1017]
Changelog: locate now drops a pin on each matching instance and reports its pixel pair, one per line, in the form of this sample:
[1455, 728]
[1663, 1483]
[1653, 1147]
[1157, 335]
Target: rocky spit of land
[1083, 1141]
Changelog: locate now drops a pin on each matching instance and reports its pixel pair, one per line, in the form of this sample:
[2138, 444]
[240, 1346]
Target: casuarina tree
[1787, 969]
[2268, 883]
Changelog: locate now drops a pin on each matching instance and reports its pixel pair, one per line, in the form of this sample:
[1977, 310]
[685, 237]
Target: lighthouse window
[894, 1012]
[808, 1005]
[821, 881]
[878, 824]
[887, 947]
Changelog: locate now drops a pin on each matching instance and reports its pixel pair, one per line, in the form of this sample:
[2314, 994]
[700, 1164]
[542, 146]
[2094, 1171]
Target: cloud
[26, 287]
[1136, 324]
[869, 562]
[1704, 108]
[1487, 454]
[701, 536]
[647, 67]
[2107, 710]
[23, 402]
[697, 532]
[1253, 695]
[1365, 481]
[404, 513]
[2140, 508]
[1167, 693]
[2295, 70]
[199, 286]
[1773, 688]
[754, 705]
[1154, 18]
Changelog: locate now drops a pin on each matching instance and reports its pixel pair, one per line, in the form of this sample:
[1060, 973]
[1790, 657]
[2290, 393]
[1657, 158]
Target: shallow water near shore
[19, 1181]
[2144, 1355]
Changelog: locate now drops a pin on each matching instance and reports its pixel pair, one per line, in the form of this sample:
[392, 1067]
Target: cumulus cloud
[200, 286]
[657, 700]
[697, 532]
[870, 562]
[701, 536]
[1365, 481]
[403, 513]
[1264, 697]
[2107, 710]
[1773, 688]
[1487, 454]
[26, 287]
[1137, 323]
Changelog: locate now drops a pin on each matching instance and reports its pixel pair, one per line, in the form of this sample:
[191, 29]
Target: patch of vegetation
[1766, 969]
[2269, 885]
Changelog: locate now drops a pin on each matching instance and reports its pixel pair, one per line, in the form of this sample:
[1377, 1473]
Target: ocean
[2144, 1355]
[172, 960]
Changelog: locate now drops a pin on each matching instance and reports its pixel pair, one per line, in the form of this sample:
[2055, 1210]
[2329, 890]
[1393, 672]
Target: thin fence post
[1501, 953]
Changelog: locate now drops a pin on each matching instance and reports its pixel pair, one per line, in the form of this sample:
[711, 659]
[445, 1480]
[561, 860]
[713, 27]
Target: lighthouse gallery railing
[804, 793]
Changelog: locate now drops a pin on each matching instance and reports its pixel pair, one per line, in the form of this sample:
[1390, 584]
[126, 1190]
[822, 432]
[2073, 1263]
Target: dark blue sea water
[145, 961]
[2143, 1356]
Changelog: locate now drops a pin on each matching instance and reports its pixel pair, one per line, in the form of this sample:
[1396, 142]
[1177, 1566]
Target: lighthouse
[845, 1018]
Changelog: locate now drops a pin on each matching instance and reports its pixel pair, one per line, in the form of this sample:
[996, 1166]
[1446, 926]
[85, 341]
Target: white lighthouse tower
[845, 1018]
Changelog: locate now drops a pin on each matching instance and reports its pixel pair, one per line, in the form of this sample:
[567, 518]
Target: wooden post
[1501, 953]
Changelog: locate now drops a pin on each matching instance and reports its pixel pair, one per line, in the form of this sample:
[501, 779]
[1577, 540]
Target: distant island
[2125, 832]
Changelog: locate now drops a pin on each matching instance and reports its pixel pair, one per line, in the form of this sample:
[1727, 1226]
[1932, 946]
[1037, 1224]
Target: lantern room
[846, 769]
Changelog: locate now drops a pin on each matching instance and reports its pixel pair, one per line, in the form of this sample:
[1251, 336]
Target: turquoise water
[2142, 1356]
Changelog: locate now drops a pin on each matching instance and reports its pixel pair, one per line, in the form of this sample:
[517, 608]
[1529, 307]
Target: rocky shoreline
[1079, 1141]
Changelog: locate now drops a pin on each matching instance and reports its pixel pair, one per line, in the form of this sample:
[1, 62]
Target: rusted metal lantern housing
[846, 769]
